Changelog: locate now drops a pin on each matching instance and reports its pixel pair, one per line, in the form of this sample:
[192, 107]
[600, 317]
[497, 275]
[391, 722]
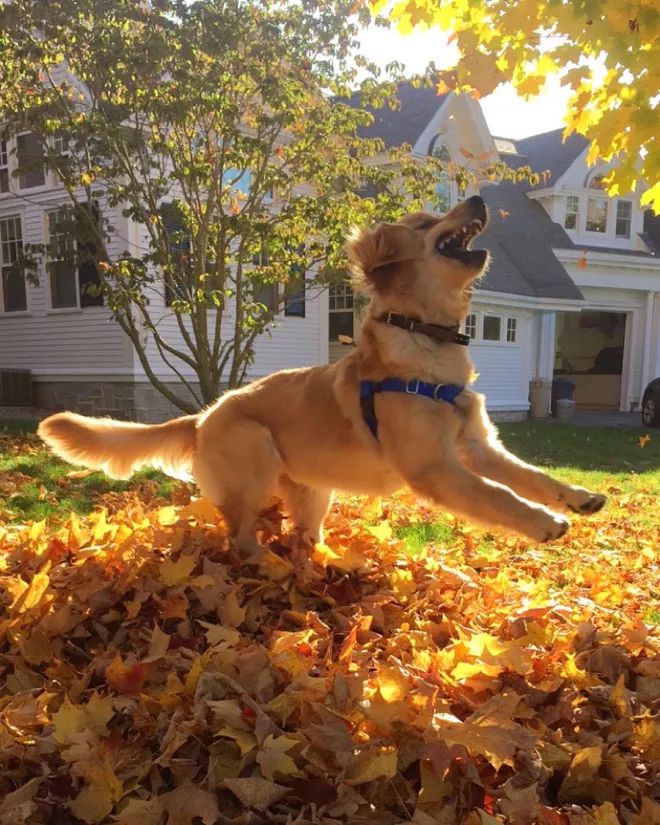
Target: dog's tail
[120, 448]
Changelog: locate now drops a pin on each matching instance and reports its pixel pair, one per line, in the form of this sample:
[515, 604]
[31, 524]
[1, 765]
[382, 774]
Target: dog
[396, 411]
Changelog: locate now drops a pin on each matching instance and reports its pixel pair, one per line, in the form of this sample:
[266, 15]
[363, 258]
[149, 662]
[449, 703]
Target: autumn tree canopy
[607, 53]
[221, 129]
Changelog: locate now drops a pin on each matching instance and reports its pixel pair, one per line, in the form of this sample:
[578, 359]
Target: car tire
[651, 410]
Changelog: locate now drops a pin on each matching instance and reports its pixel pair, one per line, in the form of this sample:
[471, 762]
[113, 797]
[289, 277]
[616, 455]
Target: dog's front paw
[557, 527]
[582, 501]
[547, 526]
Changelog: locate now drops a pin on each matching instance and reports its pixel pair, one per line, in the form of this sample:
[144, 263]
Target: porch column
[647, 355]
[541, 385]
[546, 352]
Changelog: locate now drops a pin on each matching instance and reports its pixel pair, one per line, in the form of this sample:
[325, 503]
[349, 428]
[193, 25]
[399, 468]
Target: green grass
[594, 457]
[420, 534]
[35, 484]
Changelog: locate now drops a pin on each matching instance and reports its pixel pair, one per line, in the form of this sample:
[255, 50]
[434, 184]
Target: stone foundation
[125, 400]
[140, 401]
[502, 416]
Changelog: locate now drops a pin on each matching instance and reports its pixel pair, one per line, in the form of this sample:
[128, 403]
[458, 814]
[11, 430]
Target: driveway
[603, 418]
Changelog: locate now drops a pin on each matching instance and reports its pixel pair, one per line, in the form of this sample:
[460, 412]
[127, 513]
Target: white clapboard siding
[82, 343]
[291, 342]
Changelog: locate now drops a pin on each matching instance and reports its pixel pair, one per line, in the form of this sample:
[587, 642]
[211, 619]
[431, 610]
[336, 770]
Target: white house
[574, 288]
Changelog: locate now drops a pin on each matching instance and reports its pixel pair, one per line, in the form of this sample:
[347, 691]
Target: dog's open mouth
[457, 243]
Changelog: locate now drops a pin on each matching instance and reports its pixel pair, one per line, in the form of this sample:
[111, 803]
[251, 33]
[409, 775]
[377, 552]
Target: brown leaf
[256, 793]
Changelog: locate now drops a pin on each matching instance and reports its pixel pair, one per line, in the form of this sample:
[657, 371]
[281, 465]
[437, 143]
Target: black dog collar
[448, 335]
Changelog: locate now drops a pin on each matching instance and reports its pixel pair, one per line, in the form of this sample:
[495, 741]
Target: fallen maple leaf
[126, 678]
[256, 793]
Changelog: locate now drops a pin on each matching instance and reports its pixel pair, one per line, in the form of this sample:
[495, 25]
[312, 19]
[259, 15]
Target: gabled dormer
[574, 196]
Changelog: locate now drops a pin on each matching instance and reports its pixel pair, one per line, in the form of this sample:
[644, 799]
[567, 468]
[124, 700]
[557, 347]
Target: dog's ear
[375, 254]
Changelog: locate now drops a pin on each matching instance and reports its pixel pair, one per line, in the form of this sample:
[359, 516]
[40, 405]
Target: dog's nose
[477, 208]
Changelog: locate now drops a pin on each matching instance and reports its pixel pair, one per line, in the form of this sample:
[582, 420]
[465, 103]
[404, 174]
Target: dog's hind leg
[238, 471]
[307, 508]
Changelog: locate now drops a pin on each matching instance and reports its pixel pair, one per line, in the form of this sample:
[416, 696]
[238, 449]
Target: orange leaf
[126, 678]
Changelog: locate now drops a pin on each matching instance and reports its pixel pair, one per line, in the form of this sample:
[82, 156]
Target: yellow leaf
[382, 531]
[69, 720]
[176, 572]
[31, 596]
[274, 760]
[489, 731]
[392, 683]
[168, 516]
[98, 798]
[368, 766]
[644, 440]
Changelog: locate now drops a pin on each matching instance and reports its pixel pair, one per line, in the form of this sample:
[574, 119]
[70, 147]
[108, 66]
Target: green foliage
[606, 53]
[221, 128]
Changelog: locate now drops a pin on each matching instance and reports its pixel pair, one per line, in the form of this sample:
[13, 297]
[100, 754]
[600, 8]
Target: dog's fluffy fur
[299, 434]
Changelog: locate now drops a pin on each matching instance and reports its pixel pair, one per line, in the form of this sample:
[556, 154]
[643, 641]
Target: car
[651, 404]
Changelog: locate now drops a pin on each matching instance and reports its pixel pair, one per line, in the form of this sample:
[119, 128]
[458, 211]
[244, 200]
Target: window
[72, 270]
[511, 330]
[14, 296]
[29, 153]
[87, 226]
[294, 305]
[596, 214]
[178, 241]
[623, 218]
[4, 167]
[443, 186]
[62, 269]
[572, 216]
[341, 311]
[492, 325]
[471, 326]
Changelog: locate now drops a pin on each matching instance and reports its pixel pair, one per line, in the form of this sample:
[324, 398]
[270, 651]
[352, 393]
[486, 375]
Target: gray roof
[405, 124]
[546, 152]
[520, 237]
[632, 253]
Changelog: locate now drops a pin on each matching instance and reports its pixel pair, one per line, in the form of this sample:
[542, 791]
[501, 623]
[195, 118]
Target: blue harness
[436, 392]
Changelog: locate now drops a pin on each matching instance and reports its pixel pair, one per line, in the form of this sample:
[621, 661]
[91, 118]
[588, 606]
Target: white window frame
[599, 233]
[471, 327]
[569, 212]
[478, 327]
[629, 218]
[12, 313]
[39, 187]
[49, 259]
[342, 291]
[4, 165]
[511, 329]
[486, 314]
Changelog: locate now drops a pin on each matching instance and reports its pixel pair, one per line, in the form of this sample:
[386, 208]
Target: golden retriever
[301, 434]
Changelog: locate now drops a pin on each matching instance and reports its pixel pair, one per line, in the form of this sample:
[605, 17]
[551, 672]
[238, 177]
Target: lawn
[36, 485]
[416, 670]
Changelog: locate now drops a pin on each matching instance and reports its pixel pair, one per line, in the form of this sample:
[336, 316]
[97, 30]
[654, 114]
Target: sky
[507, 114]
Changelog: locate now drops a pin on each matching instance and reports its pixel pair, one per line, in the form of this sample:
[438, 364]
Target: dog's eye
[426, 225]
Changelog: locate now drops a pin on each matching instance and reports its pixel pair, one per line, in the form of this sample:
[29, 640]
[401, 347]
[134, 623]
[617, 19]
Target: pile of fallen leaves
[149, 677]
